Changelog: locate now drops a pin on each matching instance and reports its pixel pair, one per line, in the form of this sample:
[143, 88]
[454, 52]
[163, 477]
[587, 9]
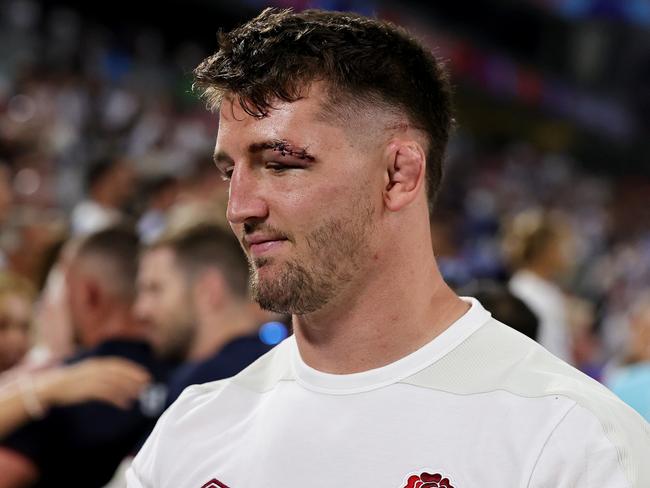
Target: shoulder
[498, 358]
[208, 410]
[221, 395]
[230, 361]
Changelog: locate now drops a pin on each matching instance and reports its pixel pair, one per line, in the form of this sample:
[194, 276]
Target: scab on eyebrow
[286, 149]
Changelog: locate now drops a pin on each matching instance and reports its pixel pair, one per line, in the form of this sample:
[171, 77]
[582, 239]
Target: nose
[246, 197]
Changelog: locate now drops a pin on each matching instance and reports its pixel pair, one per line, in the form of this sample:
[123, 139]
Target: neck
[215, 330]
[401, 307]
[119, 324]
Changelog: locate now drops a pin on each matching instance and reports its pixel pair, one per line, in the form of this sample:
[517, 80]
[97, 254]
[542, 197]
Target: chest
[398, 437]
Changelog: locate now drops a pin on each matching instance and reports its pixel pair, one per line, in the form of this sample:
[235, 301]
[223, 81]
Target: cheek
[177, 301]
[73, 302]
[310, 205]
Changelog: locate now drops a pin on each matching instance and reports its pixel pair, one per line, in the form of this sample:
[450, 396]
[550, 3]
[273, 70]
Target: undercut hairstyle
[364, 63]
[206, 246]
[115, 251]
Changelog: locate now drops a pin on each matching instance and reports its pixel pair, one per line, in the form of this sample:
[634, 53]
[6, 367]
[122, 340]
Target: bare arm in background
[113, 380]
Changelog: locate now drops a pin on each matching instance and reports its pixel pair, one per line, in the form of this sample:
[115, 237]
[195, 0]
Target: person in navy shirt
[82, 445]
[193, 293]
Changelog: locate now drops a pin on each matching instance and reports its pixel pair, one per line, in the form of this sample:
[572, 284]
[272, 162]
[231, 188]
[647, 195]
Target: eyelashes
[274, 167]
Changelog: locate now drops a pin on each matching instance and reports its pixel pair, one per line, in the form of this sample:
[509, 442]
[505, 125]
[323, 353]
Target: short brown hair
[207, 245]
[363, 61]
[117, 248]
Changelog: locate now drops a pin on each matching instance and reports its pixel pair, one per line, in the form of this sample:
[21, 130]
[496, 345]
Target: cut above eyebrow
[284, 147]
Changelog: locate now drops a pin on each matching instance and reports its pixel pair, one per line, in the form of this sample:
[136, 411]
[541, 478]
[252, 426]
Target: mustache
[264, 228]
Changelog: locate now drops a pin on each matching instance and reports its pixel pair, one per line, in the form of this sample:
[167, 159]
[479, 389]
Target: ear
[210, 290]
[405, 164]
[92, 294]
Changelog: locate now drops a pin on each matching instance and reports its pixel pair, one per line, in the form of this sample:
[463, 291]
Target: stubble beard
[178, 346]
[337, 250]
[178, 332]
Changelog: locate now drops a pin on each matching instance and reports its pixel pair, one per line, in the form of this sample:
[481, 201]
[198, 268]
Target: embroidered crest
[427, 480]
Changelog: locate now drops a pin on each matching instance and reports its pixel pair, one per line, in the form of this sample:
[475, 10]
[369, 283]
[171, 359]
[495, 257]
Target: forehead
[158, 261]
[318, 119]
[16, 305]
[299, 117]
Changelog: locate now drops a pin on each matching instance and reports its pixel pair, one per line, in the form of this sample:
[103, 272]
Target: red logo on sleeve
[426, 480]
[214, 483]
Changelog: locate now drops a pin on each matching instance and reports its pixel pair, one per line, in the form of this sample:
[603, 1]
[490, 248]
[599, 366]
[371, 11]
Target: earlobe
[405, 172]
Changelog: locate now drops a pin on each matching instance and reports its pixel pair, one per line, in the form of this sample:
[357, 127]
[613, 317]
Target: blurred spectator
[447, 243]
[161, 194]
[6, 192]
[504, 306]
[110, 184]
[193, 290]
[538, 247]
[16, 300]
[31, 239]
[89, 439]
[631, 382]
[586, 345]
[112, 380]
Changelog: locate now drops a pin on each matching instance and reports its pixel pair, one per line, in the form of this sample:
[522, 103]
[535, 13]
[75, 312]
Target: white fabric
[481, 405]
[89, 216]
[548, 303]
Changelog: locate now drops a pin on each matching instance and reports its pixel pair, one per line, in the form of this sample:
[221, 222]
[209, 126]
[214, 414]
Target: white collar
[341, 384]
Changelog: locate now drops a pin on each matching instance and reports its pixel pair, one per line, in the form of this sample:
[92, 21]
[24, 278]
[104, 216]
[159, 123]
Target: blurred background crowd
[544, 213]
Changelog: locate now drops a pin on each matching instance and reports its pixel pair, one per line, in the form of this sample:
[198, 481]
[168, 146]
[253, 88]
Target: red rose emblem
[214, 483]
[426, 480]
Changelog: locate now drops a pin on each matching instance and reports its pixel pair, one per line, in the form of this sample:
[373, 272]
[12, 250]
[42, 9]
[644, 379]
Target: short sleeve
[579, 453]
[142, 471]
[147, 468]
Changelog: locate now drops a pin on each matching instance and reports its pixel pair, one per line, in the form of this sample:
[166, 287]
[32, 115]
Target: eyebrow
[284, 147]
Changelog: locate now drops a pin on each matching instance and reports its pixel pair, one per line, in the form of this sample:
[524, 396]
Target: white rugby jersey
[480, 405]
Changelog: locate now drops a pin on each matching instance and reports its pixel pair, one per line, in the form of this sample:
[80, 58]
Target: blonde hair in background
[12, 284]
[528, 233]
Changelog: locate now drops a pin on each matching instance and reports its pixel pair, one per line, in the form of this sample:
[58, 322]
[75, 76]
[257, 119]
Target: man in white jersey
[332, 130]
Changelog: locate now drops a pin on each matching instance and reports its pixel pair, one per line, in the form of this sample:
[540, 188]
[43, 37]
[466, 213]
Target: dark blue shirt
[229, 361]
[82, 445]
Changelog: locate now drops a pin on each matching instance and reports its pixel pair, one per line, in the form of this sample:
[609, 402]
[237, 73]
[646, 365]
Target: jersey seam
[482, 392]
[548, 438]
[619, 453]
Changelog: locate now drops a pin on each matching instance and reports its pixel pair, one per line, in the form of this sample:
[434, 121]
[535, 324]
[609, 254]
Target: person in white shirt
[539, 247]
[110, 184]
[332, 130]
